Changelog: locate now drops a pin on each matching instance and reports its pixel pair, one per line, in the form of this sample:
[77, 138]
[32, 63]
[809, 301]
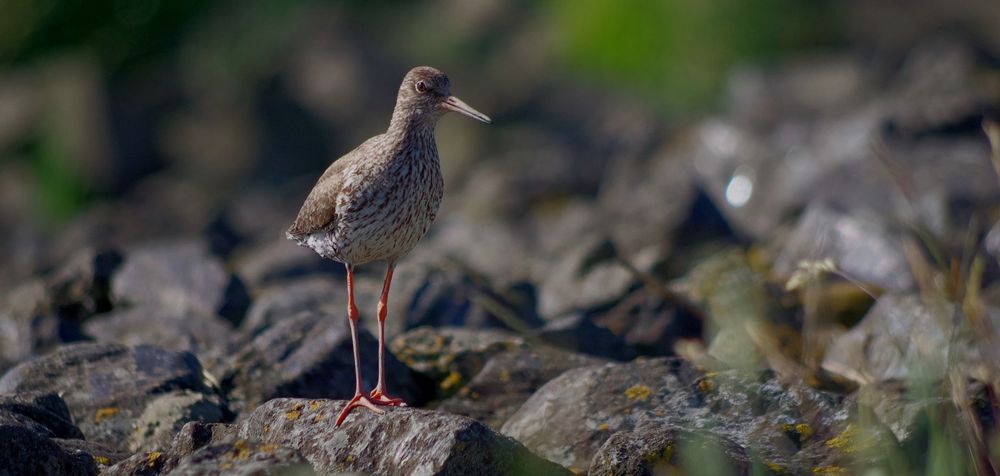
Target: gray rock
[862, 248]
[587, 276]
[180, 277]
[24, 311]
[209, 337]
[578, 333]
[660, 450]
[450, 357]
[243, 458]
[43, 439]
[288, 298]
[310, 355]
[192, 437]
[403, 441]
[82, 286]
[108, 386]
[26, 452]
[164, 416]
[570, 418]
[508, 379]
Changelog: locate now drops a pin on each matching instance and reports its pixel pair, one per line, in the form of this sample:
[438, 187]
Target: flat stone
[108, 386]
[288, 298]
[402, 441]
[180, 277]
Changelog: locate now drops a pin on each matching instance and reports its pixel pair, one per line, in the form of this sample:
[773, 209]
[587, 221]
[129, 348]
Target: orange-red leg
[360, 399]
[379, 395]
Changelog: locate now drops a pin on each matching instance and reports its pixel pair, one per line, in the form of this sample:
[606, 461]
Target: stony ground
[649, 327]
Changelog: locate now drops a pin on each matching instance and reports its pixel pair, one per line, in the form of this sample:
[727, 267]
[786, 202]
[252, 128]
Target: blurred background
[158, 117]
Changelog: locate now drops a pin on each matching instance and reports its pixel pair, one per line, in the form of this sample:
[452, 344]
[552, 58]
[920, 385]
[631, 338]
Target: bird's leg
[379, 395]
[360, 399]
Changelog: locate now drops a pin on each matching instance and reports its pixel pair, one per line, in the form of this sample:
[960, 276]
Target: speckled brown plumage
[376, 202]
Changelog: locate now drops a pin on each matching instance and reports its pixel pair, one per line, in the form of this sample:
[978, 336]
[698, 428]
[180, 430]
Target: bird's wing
[320, 208]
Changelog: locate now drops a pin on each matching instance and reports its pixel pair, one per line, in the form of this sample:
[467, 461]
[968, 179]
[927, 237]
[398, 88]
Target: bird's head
[426, 94]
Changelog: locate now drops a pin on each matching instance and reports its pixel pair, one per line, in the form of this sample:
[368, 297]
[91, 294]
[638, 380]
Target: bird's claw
[359, 400]
[381, 398]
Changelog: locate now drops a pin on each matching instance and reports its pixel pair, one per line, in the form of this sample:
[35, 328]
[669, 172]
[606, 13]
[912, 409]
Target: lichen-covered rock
[310, 355]
[402, 441]
[210, 338]
[192, 437]
[508, 379]
[572, 416]
[243, 458]
[108, 386]
[180, 277]
[665, 450]
[451, 356]
[37, 436]
[164, 416]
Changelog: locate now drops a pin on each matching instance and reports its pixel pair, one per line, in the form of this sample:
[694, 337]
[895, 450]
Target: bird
[377, 201]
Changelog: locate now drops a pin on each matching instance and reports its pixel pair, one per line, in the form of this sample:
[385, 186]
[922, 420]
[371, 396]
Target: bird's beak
[453, 103]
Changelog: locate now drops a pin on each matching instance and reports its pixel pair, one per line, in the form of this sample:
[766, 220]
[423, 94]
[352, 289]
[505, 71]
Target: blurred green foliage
[679, 51]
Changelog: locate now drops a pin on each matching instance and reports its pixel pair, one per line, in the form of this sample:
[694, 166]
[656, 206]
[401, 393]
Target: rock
[29, 324]
[403, 441]
[310, 355]
[279, 260]
[665, 450]
[571, 417]
[578, 333]
[508, 379]
[180, 277]
[164, 416]
[82, 286]
[288, 298]
[587, 276]
[37, 436]
[902, 337]
[26, 452]
[243, 458]
[451, 356]
[209, 337]
[193, 436]
[108, 386]
[651, 324]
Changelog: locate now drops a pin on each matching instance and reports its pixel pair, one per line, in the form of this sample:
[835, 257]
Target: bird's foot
[379, 397]
[359, 400]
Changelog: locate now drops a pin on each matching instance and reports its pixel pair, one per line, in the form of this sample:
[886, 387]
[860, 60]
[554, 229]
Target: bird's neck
[409, 120]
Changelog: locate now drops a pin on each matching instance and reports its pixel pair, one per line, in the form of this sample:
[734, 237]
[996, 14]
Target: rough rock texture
[37, 436]
[310, 355]
[180, 277]
[508, 379]
[243, 458]
[108, 386]
[665, 450]
[192, 437]
[209, 337]
[165, 415]
[572, 416]
[403, 441]
[451, 356]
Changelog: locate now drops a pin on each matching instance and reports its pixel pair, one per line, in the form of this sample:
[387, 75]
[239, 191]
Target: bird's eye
[422, 86]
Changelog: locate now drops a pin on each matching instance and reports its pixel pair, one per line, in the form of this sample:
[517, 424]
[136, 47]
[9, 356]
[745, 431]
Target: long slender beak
[453, 103]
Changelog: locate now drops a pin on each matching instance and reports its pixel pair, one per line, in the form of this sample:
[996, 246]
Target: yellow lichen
[638, 392]
[603, 427]
[575, 470]
[829, 470]
[104, 460]
[776, 468]
[268, 448]
[313, 404]
[267, 428]
[105, 413]
[319, 416]
[242, 450]
[845, 440]
[295, 412]
[706, 385]
[153, 458]
[804, 430]
[453, 380]
[504, 375]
